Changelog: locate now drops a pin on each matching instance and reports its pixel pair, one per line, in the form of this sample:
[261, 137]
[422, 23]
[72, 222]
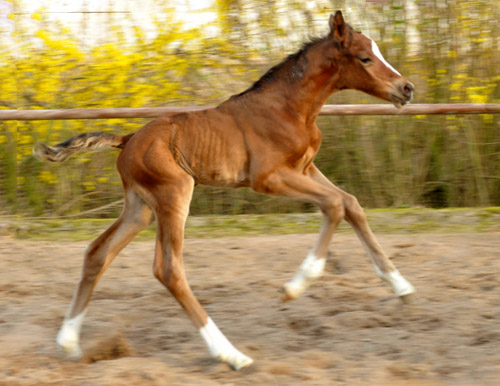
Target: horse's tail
[86, 141]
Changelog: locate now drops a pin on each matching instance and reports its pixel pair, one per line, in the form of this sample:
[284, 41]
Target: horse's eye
[365, 60]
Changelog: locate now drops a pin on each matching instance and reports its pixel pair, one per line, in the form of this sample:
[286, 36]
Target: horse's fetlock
[313, 267]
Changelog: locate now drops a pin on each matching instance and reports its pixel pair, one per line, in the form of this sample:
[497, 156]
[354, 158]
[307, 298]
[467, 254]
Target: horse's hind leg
[99, 254]
[171, 208]
[356, 217]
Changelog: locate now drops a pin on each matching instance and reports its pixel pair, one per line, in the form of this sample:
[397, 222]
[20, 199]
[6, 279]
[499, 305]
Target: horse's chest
[305, 160]
[306, 153]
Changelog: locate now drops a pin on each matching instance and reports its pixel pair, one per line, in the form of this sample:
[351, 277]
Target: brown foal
[265, 138]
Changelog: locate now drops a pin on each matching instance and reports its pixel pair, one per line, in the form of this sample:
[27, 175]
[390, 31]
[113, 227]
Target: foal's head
[361, 65]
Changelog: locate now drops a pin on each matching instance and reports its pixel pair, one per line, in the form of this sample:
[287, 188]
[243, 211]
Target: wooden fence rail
[152, 112]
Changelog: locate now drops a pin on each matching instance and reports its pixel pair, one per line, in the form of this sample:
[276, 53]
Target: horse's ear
[338, 27]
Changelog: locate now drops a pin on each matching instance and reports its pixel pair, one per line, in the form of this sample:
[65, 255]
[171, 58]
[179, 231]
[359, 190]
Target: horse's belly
[215, 160]
[222, 176]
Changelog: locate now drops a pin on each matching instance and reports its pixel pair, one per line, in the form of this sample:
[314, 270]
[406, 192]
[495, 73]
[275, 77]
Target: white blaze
[378, 54]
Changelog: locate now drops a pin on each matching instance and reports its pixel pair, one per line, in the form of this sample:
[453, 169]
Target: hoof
[72, 350]
[221, 349]
[68, 342]
[400, 285]
[292, 290]
[310, 269]
[285, 297]
[68, 338]
[236, 360]
[404, 289]
[408, 298]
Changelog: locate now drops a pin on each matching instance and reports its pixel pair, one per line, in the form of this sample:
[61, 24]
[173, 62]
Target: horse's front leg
[314, 264]
[356, 217]
[292, 184]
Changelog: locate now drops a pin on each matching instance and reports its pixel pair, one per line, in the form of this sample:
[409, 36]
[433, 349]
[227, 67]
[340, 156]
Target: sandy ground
[348, 329]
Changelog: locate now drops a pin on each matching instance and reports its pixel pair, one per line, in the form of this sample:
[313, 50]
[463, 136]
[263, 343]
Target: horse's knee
[143, 218]
[353, 209]
[334, 208]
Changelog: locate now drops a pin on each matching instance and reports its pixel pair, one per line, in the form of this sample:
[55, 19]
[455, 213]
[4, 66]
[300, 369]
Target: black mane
[290, 69]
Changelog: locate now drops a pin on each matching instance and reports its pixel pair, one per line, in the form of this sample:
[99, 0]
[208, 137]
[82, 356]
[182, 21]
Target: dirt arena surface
[347, 329]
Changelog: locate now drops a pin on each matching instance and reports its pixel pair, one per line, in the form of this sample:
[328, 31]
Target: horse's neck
[307, 99]
[301, 99]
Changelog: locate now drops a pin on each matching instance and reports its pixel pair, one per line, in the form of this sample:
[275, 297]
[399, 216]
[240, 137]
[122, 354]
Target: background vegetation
[450, 49]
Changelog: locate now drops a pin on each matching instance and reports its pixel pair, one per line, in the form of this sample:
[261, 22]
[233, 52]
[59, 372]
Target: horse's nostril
[408, 89]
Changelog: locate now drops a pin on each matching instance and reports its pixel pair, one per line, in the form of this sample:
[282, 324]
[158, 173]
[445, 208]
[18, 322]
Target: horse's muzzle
[402, 93]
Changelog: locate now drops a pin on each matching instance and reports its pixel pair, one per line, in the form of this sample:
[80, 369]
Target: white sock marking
[68, 338]
[311, 268]
[400, 285]
[378, 54]
[221, 348]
